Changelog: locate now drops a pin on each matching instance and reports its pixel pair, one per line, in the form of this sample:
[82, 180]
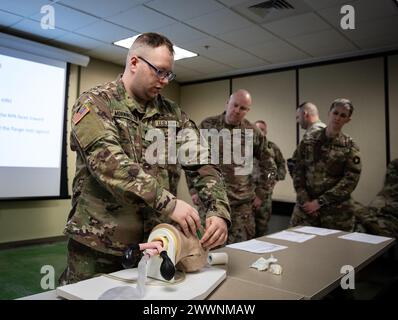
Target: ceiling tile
[368, 10]
[297, 25]
[231, 3]
[68, 19]
[246, 63]
[321, 4]
[105, 31]
[365, 10]
[332, 15]
[7, 19]
[277, 51]
[323, 43]
[384, 41]
[203, 65]
[373, 28]
[219, 22]
[229, 56]
[179, 33]
[185, 74]
[108, 52]
[102, 8]
[24, 8]
[247, 36]
[185, 10]
[141, 19]
[81, 42]
[33, 27]
[207, 45]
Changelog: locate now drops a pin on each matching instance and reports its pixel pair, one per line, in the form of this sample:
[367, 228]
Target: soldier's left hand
[311, 207]
[216, 233]
[257, 203]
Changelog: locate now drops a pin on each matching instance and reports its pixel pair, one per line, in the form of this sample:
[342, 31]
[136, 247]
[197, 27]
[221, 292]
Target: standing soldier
[117, 189]
[263, 214]
[307, 116]
[380, 217]
[244, 196]
[327, 171]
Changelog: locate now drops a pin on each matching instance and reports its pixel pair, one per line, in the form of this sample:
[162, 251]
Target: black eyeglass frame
[169, 75]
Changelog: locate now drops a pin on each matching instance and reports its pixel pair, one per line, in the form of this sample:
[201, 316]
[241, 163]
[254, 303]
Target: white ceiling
[227, 40]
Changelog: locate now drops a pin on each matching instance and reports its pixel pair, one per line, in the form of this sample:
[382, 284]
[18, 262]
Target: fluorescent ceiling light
[179, 53]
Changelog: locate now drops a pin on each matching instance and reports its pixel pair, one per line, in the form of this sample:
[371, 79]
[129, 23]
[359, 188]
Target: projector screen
[32, 125]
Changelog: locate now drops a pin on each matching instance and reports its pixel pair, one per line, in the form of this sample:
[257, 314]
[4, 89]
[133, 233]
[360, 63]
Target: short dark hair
[344, 103]
[154, 40]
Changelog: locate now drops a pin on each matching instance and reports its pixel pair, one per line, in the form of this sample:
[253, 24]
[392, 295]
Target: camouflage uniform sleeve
[280, 163]
[207, 180]
[343, 189]
[291, 163]
[190, 185]
[96, 138]
[299, 174]
[268, 170]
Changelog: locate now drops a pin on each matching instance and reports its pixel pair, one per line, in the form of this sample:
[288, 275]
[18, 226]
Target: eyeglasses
[169, 75]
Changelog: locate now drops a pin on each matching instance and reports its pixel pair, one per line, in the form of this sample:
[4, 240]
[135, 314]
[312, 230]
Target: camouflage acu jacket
[280, 163]
[241, 188]
[326, 169]
[318, 125]
[387, 199]
[115, 188]
[313, 128]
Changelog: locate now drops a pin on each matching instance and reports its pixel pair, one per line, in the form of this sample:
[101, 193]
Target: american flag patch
[80, 114]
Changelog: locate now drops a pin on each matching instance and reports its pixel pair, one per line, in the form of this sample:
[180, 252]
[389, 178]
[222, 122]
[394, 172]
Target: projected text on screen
[31, 113]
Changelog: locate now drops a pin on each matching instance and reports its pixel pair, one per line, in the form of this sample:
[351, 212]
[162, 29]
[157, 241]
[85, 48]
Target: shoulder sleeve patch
[89, 128]
[80, 114]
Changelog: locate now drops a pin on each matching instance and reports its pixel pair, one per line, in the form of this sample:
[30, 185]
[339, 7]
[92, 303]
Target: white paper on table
[364, 237]
[256, 246]
[291, 236]
[316, 230]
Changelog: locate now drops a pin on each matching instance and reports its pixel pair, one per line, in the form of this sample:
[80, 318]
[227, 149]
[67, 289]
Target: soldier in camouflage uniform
[307, 116]
[263, 214]
[327, 171]
[118, 192]
[244, 196]
[380, 217]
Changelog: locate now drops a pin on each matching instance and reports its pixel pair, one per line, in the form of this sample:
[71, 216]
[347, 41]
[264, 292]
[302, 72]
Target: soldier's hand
[216, 233]
[195, 199]
[187, 217]
[257, 203]
[311, 207]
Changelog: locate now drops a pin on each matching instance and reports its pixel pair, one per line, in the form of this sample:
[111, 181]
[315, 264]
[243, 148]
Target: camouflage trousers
[339, 216]
[262, 216]
[84, 263]
[243, 223]
[378, 221]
